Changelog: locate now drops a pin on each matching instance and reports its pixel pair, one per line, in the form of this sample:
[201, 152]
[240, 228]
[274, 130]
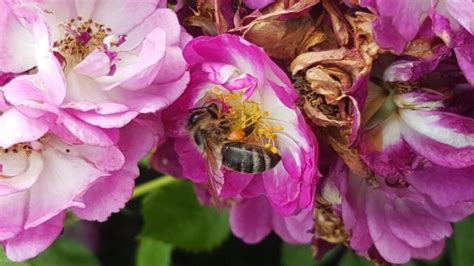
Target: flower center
[249, 122]
[401, 87]
[81, 37]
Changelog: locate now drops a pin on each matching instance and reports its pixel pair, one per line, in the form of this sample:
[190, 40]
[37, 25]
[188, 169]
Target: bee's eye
[195, 118]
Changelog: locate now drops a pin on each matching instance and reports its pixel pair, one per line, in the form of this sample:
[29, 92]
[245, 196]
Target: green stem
[144, 188]
[70, 220]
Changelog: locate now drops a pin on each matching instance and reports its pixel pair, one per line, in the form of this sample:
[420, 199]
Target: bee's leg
[224, 124]
[249, 129]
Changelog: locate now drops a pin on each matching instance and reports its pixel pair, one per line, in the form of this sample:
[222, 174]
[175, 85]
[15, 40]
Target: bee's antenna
[198, 108]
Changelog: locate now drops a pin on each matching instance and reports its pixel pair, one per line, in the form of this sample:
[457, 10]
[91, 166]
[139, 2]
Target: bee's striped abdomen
[248, 158]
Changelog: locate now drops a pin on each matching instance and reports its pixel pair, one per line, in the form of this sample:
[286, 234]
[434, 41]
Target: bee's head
[209, 111]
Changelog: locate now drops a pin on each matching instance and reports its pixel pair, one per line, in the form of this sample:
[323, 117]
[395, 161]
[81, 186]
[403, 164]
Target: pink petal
[399, 22]
[13, 214]
[138, 68]
[445, 186]
[103, 158]
[31, 242]
[96, 64]
[191, 160]
[165, 159]
[388, 245]
[155, 97]
[430, 252]
[257, 4]
[384, 150]
[443, 138]
[173, 67]
[19, 171]
[462, 11]
[234, 183]
[296, 229]
[117, 15]
[246, 224]
[415, 225]
[62, 11]
[24, 92]
[17, 46]
[281, 188]
[164, 19]
[100, 105]
[116, 120]
[110, 193]
[465, 56]
[20, 128]
[106, 196]
[355, 220]
[63, 178]
[255, 188]
[53, 83]
[86, 133]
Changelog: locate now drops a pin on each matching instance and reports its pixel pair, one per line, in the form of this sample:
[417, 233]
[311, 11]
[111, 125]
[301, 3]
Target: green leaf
[153, 252]
[145, 161]
[462, 249]
[64, 251]
[172, 214]
[296, 255]
[426, 263]
[301, 255]
[352, 259]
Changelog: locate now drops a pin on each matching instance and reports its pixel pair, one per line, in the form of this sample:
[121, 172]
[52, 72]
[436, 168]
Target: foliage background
[164, 225]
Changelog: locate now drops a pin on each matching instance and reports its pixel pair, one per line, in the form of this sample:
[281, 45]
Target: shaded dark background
[118, 246]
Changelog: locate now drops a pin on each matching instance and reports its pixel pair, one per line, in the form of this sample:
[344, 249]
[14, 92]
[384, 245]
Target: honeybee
[222, 146]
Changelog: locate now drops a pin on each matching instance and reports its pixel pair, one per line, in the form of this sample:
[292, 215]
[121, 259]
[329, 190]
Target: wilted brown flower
[328, 224]
[332, 83]
[212, 16]
[284, 29]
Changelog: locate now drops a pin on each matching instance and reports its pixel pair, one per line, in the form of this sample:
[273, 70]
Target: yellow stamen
[80, 37]
[243, 114]
[274, 150]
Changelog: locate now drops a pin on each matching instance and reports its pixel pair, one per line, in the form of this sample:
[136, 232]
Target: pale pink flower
[41, 179]
[99, 63]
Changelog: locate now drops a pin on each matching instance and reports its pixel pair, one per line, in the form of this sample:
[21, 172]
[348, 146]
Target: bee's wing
[213, 168]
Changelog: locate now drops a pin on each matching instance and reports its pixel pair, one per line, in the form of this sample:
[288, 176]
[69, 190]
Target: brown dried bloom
[212, 16]
[284, 29]
[332, 83]
[328, 225]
